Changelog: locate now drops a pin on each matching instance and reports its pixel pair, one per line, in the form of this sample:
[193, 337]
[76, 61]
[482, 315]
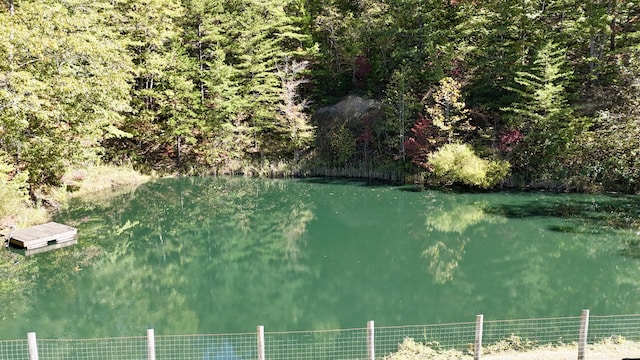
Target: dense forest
[489, 93]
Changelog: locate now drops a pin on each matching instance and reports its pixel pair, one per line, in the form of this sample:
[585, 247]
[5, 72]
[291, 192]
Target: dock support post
[477, 348]
[260, 342]
[151, 345]
[33, 346]
[584, 329]
[371, 346]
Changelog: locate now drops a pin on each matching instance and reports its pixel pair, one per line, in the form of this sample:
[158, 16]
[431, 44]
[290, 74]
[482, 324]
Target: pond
[221, 255]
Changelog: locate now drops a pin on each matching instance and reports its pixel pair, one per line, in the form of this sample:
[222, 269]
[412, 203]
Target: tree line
[482, 93]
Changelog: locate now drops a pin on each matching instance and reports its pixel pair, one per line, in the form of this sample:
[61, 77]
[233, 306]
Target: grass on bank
[516, 348]
[97, 181]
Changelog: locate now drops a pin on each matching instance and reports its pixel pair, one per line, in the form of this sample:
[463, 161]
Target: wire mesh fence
[458, 336]
[14, 349]
[604, 327]
[330, 344]
[208, 347]
[540, 331]
[366, 343]
[93, 349]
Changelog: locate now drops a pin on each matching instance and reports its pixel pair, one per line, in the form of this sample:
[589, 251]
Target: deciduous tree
[63, 85]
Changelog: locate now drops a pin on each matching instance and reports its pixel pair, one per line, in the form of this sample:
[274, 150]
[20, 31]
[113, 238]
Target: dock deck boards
[50, 236]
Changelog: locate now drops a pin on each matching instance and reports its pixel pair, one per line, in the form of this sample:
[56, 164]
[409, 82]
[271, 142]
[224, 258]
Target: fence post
[477, 349]
[371, 346]
[33, 346]
[584, 329]
[151, 345]
[260, 342]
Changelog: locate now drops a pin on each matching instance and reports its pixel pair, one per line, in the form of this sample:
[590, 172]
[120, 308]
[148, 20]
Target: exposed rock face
[350, 108]
[353, 113]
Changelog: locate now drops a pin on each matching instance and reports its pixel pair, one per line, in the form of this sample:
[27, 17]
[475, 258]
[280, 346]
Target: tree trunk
[613, 12]
[201, 63]
[178, 152]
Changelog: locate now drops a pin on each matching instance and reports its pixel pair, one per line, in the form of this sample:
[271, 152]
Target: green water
[207, 255]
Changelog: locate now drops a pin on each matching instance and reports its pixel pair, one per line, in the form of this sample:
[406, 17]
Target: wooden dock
[41, 238]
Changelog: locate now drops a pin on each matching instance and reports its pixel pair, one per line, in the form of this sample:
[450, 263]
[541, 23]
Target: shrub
[15, 207]
[458, 163]
[13, 189]
[343, 144]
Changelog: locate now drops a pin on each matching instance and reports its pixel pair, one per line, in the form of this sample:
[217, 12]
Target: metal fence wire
[343, 344]
[539, 331]
[329, 345]
[207, 347]
[605, 327]
[458, 336]
[92, 349]
[14, 349]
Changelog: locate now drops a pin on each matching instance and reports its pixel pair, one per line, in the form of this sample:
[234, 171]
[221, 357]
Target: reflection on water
[207, 255]
[444, 257]
[456, 218]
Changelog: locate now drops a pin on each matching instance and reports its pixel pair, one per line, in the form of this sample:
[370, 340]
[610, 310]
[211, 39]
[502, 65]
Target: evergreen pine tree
[543, 114]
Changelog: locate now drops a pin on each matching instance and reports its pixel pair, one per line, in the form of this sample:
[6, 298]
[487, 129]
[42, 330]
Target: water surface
[220, 255]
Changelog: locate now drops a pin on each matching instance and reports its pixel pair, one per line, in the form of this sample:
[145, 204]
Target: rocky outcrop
[353, 113]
